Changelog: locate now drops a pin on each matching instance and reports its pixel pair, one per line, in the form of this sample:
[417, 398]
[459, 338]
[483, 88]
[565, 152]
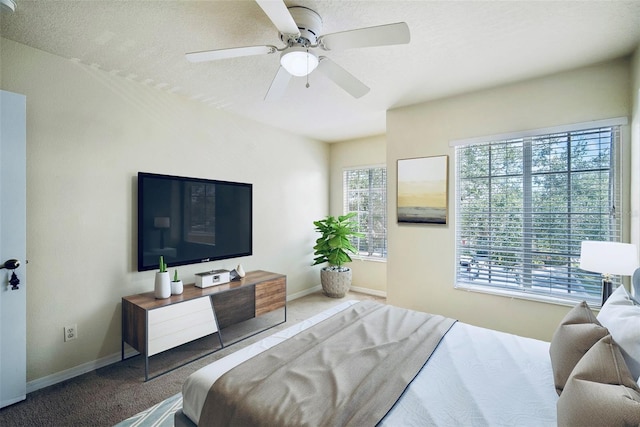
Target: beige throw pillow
[600, 390]
[576, 334]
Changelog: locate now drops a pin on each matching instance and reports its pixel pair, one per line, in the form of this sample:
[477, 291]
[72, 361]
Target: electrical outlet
[70, 332]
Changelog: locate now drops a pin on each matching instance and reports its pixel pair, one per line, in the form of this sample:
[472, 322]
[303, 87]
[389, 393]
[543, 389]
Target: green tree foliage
[528, 203]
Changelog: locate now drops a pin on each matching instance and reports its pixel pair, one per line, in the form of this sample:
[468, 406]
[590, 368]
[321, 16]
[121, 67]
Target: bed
[473, 377]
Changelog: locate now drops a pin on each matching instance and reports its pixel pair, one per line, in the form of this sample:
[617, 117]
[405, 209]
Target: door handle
[12, 264]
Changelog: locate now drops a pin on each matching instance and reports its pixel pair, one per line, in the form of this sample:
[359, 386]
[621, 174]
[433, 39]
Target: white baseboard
[317, 288]
[306, 292]
[368, 291]
[67, 374]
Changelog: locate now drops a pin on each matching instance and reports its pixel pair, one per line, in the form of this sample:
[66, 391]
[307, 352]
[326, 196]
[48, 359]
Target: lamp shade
[298, 61]
[609, 257]
[162, 222]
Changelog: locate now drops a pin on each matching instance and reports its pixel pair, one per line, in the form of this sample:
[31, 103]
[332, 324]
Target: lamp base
[606, 289]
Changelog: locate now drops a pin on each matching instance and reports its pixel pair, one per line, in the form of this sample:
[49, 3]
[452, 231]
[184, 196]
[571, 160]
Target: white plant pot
[335, 283]
[163, 285]
[176, 287]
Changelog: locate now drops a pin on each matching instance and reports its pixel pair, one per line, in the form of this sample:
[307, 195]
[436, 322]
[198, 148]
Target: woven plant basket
[335, 283]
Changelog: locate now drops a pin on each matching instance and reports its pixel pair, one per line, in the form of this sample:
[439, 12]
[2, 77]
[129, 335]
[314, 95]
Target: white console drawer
[179, 323]
[176, 311]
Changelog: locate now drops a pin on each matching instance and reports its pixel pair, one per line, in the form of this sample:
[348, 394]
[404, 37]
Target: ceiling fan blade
[278, 13]
[278, 85]
[342, 78]
[234, 52]
[381, 35]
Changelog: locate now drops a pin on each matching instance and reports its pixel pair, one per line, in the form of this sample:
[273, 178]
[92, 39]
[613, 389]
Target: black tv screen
[192, 220]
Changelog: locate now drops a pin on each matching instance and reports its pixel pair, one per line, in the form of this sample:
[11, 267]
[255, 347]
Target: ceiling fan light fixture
[8, 5]
[298, 61]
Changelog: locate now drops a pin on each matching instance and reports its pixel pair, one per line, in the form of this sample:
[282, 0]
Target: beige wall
[420, 269]
[367, 275]
[88, 134]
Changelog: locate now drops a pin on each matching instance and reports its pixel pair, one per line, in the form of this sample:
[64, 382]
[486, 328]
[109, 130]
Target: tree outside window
[525, 204]
[365, 192]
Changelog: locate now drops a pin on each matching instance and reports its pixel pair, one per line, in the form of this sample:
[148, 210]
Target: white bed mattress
[476, 377]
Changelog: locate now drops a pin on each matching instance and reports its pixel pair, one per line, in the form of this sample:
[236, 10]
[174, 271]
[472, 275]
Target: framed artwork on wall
[422, 190]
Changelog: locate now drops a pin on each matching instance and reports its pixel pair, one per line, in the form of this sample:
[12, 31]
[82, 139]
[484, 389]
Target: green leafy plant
[163, 266]
[333, 246]
[175, 275]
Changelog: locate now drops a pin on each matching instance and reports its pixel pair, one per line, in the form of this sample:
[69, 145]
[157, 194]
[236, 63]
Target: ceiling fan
[300, 30]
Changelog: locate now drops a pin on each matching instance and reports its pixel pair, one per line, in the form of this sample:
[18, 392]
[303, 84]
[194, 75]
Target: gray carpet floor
[114, 393]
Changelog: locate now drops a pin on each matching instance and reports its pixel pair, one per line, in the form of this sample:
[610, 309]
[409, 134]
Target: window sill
[524, 296]
[366, 258]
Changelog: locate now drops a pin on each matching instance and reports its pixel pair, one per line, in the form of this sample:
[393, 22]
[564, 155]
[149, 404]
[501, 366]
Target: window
[524, 204]
[365, 192]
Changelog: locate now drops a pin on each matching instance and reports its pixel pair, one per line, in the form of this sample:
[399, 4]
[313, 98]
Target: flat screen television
[192, 220]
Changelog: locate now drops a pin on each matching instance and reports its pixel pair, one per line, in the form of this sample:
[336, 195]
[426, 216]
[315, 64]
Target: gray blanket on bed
[347, 370]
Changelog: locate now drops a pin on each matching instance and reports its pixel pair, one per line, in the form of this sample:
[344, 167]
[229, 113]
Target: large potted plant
[333, 247]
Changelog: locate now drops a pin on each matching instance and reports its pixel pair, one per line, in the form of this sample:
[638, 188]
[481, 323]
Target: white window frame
[522, 292]
[380, 256]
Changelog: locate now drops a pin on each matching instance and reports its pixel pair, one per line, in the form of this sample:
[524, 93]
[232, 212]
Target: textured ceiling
[455, 47]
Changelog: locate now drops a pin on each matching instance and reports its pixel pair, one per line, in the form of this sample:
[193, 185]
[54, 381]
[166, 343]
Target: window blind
[525, 204]
[365, 192]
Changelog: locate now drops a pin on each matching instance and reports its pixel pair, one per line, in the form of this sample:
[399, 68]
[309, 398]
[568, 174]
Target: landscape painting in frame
[422, 190]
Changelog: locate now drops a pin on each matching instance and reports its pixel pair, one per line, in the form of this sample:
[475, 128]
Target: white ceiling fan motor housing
[309, 23]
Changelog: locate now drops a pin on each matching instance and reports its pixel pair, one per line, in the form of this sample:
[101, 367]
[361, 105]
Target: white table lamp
[163, 223]
[608, 258]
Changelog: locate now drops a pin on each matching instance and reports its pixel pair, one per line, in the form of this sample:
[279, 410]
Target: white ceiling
[455, 47]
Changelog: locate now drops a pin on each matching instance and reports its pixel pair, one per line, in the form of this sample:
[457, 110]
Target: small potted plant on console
[176, 284]
[333, 247]
[162, 285]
